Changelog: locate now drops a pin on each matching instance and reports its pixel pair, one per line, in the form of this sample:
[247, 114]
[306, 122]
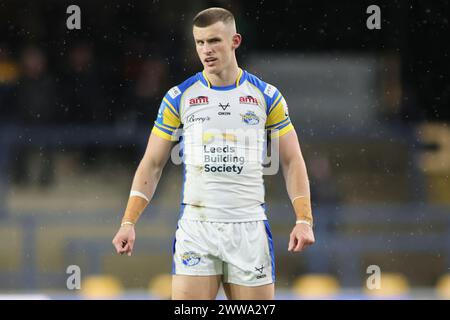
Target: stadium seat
[313, 286]
[101, 287]
[160, 286]
[392, 285]
[443, 287]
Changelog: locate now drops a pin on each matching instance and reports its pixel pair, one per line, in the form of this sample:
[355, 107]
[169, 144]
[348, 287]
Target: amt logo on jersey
[200, 100]
[248, 100]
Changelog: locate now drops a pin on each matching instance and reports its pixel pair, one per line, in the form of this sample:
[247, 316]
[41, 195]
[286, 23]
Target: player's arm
[143, 187]
[297, 184]
[150, 169]
[148, 173]
[293, 166]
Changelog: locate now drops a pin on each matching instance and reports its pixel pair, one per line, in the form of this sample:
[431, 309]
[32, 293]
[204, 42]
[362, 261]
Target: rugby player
[222, 236]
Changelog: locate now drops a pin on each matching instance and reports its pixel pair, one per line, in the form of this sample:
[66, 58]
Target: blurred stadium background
[371, 108]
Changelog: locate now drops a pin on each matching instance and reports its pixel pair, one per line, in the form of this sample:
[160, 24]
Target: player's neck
[226, 77]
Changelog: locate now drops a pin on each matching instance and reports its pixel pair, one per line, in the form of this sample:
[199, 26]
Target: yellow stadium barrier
[391, 285]
[160, 286]
[101, 287]
[443, 287]
[316, 286]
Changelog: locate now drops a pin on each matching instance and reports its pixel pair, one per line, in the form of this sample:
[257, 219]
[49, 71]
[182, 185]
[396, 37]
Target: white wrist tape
[303, 222]
[138, 194]
[127, 223]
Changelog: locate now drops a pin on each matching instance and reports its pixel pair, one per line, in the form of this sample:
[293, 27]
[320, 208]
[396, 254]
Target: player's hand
[300, 238]
[124, 240]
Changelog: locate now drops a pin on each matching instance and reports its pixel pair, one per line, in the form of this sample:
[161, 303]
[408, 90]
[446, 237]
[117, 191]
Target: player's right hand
[124, 240]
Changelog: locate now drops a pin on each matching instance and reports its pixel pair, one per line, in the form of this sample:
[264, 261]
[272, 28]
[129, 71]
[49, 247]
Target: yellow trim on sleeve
[164, 126]
[161, 133]
[282, 132]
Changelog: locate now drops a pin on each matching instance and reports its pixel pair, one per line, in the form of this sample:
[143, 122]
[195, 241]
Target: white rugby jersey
[222, 144]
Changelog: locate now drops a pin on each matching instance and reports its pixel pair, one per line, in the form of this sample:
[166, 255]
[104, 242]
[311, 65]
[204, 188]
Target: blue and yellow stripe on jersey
[169, 120]
[278, 120]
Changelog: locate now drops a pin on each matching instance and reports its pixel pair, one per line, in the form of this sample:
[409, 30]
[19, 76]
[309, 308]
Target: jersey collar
[242, 75]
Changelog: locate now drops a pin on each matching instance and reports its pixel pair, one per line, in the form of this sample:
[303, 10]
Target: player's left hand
[300, 238]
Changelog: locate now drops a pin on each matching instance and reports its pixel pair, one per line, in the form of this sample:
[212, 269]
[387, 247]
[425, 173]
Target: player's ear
[236, 41]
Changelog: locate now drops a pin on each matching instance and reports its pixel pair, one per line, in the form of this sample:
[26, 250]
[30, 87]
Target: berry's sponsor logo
[194, 118]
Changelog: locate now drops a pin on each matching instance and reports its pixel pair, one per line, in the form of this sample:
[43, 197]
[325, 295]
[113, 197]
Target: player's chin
[211, 68]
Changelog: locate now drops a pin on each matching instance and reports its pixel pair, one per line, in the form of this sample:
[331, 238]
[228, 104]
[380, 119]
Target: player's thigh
[187, 287]
[248, 256]
[239, 292]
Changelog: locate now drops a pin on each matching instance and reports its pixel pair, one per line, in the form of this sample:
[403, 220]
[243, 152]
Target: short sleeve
[168, 119]
[278, 120]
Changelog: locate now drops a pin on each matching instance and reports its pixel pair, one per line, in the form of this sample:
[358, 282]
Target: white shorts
[240, 251]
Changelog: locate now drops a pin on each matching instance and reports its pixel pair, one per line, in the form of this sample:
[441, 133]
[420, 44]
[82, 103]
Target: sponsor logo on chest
[248, 100]
[224, 107]
[250, 118]
[200, 100]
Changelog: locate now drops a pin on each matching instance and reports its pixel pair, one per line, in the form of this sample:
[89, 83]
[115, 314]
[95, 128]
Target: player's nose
[207, 49]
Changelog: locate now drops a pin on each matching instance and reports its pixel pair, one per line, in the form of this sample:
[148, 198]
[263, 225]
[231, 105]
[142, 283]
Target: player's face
[215, 46]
